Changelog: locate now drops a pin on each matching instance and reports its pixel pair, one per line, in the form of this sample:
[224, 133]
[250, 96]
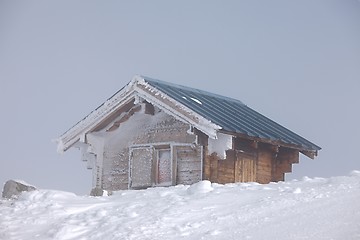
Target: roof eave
[80, 129]
[73, 135]
[309, 152]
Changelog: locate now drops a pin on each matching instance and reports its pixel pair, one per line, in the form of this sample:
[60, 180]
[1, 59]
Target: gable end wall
[149, 130]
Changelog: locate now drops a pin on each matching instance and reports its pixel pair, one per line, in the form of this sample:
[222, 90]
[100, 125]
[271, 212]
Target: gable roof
[206, 111]
[232, 115]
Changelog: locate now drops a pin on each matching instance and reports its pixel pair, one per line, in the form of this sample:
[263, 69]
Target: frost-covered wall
[143, 129]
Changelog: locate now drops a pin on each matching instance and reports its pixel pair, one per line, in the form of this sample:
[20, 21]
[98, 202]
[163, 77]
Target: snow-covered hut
[154, 133]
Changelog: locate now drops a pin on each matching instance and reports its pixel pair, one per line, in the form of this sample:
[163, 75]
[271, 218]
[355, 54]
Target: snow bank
[13, 188]
[314, 208]
[200, 187]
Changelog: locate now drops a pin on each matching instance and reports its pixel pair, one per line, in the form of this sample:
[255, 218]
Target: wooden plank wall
[264, 165]
[237, 167]
[260, 162]
[188, 164]
[245, 167]
[284, 160]
[226, 171]
[213, 168]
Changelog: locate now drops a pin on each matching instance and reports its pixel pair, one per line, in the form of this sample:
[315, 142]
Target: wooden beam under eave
[310, 154]
[268, 141]
[255, 144]
[275, 148]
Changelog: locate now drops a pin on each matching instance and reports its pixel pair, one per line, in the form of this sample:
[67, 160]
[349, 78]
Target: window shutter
[141, 163]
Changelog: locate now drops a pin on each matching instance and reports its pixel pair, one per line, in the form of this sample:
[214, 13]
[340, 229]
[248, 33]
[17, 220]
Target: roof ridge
[195, 90]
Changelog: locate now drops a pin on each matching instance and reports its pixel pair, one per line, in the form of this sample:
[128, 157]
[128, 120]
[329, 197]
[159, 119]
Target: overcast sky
[297, 62]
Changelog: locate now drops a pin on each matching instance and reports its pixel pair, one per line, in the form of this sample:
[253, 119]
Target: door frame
[155, 163]
[156, 146]
[130, 173]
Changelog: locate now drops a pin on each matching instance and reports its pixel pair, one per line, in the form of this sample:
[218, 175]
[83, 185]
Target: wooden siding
[250, 162]
[284, 160]
[245, 167]
[264, 165]
[237, 167]
[189, 166]
[225, 172]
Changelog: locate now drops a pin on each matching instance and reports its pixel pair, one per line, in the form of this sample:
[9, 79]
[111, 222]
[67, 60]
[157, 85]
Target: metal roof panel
[231, 114]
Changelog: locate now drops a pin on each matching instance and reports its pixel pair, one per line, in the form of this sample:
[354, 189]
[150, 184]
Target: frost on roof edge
[203, 124]
[67, 138]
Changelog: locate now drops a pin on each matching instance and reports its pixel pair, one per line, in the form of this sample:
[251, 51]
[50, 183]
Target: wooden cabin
[154, 133]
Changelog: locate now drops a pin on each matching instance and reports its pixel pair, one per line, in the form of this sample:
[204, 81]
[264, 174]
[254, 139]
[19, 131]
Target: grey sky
[297, 62]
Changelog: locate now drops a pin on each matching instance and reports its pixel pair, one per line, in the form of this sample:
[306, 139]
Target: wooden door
[164, 168]
[245, 167]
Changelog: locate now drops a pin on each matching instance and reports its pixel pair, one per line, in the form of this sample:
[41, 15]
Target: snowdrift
[309, 209]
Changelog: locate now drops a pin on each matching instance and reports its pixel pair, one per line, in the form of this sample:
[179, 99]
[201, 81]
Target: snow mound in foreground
[315, 208]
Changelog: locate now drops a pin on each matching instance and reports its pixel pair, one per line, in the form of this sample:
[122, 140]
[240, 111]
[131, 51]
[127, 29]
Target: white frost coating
[87, 155]
[137, 100]
[196, 100]
[86, 124]
[123, 96]
[133, 134]
[220, 145]
[96, 141]
[60, 145]
[202, 123]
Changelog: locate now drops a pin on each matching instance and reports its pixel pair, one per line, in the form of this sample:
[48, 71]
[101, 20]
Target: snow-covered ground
[308, 209]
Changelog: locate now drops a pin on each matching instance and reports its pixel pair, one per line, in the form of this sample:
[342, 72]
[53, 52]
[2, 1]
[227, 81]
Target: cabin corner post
[97, 144]
[202, 162]
[174, 165]
[202, 140]
[206, 164]
[98, 175]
